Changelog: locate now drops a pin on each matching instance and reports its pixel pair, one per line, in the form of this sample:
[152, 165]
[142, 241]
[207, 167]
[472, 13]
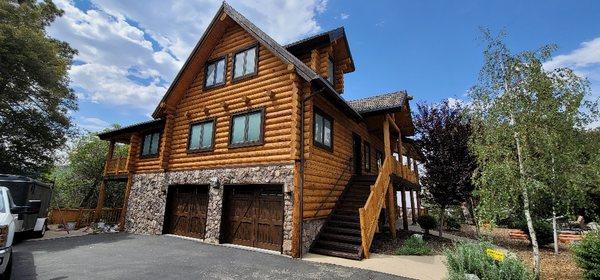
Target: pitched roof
[302, 69]
[384, 102]
[321, 39]
[130, 128]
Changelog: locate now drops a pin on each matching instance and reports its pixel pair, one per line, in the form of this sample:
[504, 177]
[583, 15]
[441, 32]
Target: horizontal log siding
[198, 104]
[323, 168]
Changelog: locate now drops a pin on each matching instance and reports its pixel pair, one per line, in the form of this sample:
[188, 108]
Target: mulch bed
[554, 266]
[383, 243]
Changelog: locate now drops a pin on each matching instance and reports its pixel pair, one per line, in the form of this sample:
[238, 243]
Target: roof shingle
[383, 102]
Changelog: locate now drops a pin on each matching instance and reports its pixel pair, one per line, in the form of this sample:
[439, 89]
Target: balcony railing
[116, 166]
[404, 171]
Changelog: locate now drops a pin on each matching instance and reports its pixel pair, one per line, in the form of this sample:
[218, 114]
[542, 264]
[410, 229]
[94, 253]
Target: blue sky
[131, 50]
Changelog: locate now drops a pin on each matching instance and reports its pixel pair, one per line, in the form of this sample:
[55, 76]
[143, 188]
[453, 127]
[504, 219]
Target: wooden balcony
[116, 166]
[404, 171]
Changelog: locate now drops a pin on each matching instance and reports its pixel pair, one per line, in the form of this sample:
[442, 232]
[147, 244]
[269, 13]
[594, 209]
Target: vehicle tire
[40, 234]
[8, 271]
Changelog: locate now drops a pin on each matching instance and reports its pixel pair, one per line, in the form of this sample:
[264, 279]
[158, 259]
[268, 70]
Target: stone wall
[147, 200]
[310, 230]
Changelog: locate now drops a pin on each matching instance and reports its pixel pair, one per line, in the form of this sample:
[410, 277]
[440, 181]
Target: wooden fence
[84, 217]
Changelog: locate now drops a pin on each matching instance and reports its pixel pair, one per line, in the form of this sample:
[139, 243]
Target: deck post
[404, 212]
[100, 203]
[413, 207]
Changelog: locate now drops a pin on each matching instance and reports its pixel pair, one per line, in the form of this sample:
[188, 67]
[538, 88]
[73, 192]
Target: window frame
[324, 115]
[378, 155]
[367, 158]
[332, 82]
[212, 144]
[245, 76]
[215, 61]
[144, 140]
[261, 137]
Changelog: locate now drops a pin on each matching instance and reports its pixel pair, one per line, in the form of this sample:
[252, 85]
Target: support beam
[392, 123]
[404, 212]
[419, 203]
[125, 201]
[413, 207]
[391, 210]
[100, 203]
[387, 146]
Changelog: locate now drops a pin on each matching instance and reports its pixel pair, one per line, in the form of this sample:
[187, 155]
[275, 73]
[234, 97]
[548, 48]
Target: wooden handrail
[116, 166]
[333, 187]
[369, 214]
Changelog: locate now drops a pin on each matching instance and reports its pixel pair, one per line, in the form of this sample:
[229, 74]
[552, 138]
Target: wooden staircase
[341, 233]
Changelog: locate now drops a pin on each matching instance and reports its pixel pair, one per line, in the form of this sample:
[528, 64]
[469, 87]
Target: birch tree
[524, 118]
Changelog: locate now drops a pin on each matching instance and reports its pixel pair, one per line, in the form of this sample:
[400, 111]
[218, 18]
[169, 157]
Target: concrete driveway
[127, 256]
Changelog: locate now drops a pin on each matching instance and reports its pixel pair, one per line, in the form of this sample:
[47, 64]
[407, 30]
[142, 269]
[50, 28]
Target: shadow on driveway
[126, 256]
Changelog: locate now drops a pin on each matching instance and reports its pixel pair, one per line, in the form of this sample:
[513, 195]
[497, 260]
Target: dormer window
[330, 70]
[244, 63]
[215, 73]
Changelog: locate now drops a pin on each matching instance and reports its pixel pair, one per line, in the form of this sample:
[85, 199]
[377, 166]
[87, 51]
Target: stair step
[351, 218]
[345, 224]
[346, 212]
[338, 246]
[340, 237]
[334, 229]
[346, 255]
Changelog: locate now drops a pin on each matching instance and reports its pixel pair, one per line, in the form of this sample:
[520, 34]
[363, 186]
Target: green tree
[525, 121]
[77, 182]
[444, 136]
[34, 87]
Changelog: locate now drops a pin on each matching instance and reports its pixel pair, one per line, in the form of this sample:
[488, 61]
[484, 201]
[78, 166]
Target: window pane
[146, 148]
[239, 125]
[220, 77]
[207, 134]
[330, 70]
[239, 65]
[210, 75]
[154, 144]
[195, 137]
[318, 128]
[254, 127]
[327, 132]
[250, 61]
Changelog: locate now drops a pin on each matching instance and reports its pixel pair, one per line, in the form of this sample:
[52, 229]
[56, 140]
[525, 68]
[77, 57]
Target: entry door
[356, 153]
[186, 210]
[253, 216]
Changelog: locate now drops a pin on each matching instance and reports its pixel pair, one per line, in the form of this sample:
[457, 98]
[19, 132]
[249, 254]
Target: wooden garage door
[186, 210]
[254, 216]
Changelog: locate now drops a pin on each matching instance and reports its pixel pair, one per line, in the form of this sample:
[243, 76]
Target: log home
[253, 144]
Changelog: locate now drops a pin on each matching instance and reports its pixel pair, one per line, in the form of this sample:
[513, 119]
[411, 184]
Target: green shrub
[414, 246]
[470, 258]
[427, 222]
[543, 231]
[452, 223]
[587, 255]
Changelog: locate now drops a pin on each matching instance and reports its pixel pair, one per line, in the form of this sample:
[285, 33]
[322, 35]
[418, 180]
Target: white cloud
[129, 51]
[344, 16]
[92, 124]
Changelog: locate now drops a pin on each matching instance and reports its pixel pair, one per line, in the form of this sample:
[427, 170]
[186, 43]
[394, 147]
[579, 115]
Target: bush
[427, 223]
[414, 246]
[470, 258]
[452, 223]
[587, 255]
[543, 231]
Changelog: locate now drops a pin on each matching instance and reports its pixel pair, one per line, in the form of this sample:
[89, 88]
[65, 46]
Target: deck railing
[369, 214]
[115, 166]
[404, 171]
[84, 217]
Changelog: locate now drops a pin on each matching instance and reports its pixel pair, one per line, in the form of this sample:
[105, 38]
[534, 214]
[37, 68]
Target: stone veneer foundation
[148, 196]
[310, 230]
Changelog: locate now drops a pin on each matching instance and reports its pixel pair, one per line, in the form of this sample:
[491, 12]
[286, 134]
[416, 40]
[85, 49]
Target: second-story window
[330, 71]
[246, 129]
[151, 144]
[367, 155]
[244, 63]
[201, 136]
[323, 130]
[215, 73]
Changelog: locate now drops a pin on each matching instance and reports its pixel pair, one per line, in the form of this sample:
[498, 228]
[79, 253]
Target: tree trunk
[534, 243]
[472, 210]
[441, 225]
[554, 232]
